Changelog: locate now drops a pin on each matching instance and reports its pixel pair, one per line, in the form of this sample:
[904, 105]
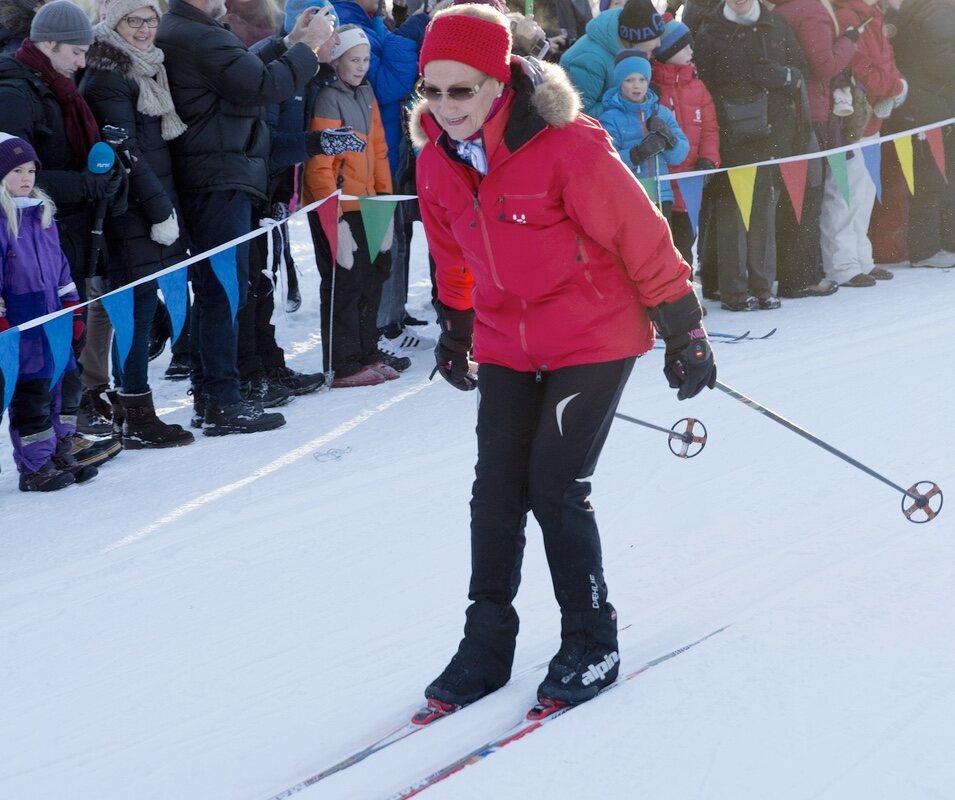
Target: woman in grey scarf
[126, 87]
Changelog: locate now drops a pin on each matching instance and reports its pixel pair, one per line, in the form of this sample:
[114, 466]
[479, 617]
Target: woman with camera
[126, 87]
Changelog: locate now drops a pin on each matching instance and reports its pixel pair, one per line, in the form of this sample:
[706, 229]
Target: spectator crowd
[225, 115]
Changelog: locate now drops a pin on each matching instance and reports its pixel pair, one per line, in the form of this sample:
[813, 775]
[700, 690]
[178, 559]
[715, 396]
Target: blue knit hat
[629, 61]
[676, 36]
[294, 9]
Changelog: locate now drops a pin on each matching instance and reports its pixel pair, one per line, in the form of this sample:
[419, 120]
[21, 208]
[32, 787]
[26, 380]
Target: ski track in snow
[225, 620]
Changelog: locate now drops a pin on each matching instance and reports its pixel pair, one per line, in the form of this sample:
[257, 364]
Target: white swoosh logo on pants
[560, 412]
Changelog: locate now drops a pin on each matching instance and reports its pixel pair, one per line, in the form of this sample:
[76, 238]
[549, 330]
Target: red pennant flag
[328, 217]
[794, 176]
[937, 146]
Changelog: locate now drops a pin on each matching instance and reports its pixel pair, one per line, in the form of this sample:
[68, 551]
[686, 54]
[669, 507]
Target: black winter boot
[241, 417]
[93, 414]
[143, 428]
[588, 659]
[198, 409]
[118, 414]
[65, 461]
[483, 662]
[94, 451]
[46, 479]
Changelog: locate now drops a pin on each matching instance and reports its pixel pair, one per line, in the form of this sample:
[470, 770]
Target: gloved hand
[165, 232]
[333, 142]
[705, 163]
[688, 362]
[102, 186]
[773, 75]
[652, 144]
[852, 34]
[454, 344]
[346, 246]
[79, 326]
[657, 125]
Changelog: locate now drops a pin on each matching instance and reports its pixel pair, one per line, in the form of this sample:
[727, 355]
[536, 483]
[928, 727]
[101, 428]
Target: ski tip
[545, 708]
[434, 710]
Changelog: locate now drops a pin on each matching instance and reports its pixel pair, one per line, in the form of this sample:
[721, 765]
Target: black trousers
[258, 351]
[538, 443]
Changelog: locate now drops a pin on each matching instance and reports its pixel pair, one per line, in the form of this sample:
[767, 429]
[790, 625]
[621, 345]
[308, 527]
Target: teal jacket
[589, 62]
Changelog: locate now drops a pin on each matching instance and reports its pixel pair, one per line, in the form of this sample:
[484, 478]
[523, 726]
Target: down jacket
[112, 92]
[589, 62]
[557, 249]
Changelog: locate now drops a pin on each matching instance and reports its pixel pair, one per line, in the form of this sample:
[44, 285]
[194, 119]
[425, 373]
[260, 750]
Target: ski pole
[922, 500]
[689, 436]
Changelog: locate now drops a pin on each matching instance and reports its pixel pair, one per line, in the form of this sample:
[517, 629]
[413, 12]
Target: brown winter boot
[143, 429]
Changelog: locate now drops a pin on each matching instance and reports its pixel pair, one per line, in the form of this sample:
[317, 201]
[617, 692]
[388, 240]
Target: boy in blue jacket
[645, 133]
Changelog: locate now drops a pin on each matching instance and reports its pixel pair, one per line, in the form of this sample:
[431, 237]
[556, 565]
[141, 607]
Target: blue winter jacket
[589, 62]
[394, 65]
[626, 123]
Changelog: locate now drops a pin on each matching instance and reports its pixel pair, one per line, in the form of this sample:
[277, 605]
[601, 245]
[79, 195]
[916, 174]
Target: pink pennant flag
[328, 217]
[937, 146]
[794, 176]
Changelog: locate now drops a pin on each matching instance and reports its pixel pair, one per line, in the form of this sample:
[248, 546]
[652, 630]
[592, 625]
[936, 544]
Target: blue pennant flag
[119, 308]
[9, 363]
[692, 191]
[872, 155]
[223, 265]
[59, 333]
[175, 293]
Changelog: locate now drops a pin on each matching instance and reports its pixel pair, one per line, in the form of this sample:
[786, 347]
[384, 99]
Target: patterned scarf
[155, 99]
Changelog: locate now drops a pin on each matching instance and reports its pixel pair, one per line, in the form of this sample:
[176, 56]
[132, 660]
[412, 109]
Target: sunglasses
[457, 93]
[137, 22]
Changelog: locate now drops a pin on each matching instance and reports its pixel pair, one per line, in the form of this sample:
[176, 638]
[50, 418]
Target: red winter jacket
[873, 65]
[682, 91]
[558, 249]
[827, 55]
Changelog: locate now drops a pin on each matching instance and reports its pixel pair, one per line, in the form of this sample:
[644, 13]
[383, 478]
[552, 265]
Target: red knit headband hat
[477, 42]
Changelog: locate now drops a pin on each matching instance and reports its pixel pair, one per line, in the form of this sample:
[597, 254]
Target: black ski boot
[484, 658]
[142, 428]
[588, 659]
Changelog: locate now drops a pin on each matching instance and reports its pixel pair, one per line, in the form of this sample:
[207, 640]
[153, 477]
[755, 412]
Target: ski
[537, 716]
[733, 337]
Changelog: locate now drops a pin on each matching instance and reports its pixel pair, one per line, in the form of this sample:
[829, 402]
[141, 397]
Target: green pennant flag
[651, 187]
[837, 163]
[376, 216]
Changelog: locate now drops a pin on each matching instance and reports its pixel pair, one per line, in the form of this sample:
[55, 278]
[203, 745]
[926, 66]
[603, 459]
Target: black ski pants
[539, 437]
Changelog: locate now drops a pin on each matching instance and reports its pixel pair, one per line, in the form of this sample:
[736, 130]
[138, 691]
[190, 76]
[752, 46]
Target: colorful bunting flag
[119, 308]
[937, 146]
[840, 172]
[328, 217]
[743, 180]
[59, 334]
[691, 190]
[9, 363]
[224, 267]
[903, 146]
[175, 292]
[376, 215]
[794, 179]
[872, 156]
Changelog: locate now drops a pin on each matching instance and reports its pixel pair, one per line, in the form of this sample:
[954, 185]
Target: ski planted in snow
[538, 715]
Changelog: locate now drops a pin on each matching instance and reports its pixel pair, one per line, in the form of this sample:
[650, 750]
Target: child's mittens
[165, 232]
[333, 142]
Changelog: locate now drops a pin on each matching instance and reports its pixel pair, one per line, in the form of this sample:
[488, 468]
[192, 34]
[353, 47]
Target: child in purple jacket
[34, 280]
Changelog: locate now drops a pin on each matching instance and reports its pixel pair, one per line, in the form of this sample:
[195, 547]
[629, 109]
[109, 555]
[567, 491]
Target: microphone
[101, 159]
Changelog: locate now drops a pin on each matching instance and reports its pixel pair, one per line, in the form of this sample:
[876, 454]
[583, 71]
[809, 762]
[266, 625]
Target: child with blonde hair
[34, 280]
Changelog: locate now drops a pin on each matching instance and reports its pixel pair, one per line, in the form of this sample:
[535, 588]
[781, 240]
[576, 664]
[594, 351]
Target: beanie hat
[627, 62]
[639, 22]
[63, 22]
[117, 10]
[294, 9]
[349, 39]
[15, 151]
[474, 41]
[676, 36]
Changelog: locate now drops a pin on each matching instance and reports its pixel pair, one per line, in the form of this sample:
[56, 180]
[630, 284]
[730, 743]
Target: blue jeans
[133, 376]
[212, 219]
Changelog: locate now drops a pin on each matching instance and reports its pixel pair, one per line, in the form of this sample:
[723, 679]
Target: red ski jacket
[558, 249]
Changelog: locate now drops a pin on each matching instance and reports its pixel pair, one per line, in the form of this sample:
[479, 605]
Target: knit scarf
[751, 17]
[82, 132]
[155, 99]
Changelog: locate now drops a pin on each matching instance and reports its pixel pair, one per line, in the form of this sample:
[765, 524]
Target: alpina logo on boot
[597, 672]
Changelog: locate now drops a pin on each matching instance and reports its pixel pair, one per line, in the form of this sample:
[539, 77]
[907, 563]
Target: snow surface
[225, 621]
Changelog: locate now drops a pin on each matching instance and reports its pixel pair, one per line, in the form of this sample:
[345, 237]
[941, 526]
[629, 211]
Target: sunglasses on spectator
[137, 22]
[457, 93]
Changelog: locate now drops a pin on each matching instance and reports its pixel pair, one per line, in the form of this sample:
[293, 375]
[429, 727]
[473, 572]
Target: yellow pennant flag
[903, 146]
[742, 180]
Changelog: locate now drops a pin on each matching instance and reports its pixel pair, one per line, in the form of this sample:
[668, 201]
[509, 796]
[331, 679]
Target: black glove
[705, 163]
[852, 34]
[773, 75]
[688, 363]
[454, 344]
[657, 125]
[652, 144]
[102, 186]
[119, 200]
[333, 142]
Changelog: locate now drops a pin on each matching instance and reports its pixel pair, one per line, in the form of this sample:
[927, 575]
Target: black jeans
[538, 442]
[258, 351]
[133, 376]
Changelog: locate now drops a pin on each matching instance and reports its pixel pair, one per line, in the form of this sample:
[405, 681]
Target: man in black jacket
[221, 167]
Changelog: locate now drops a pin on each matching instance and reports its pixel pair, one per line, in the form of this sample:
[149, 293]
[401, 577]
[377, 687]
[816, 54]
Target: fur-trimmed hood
[548, 95]
[106, 56]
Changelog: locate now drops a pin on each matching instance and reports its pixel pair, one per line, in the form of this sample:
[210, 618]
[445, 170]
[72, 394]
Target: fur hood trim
[105, 56]
[553, 97]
